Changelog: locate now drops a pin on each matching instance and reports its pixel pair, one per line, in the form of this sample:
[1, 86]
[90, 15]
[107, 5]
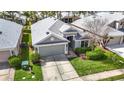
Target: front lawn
[118, 77]
[86, 67]
[25, 52]
[20, 73]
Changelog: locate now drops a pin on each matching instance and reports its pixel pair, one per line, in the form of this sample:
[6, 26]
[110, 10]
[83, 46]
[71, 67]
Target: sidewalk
[102, 75]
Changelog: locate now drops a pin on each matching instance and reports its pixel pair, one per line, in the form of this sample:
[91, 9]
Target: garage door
[4, 56]
[115, 40]
[52, 50]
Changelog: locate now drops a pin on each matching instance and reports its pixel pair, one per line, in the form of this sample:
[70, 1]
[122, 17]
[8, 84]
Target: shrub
[78, 50]
[14, 61]
[97, 49]
[35, 57]
[97, 54]
[82, 50]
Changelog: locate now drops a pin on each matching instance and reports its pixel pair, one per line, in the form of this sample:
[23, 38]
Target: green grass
[25, 52]
[118, 77]
[20, 73]
[86, 67]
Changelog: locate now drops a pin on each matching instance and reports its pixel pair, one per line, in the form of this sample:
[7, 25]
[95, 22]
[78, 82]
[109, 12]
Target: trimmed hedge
[14, 61]
[97, 54]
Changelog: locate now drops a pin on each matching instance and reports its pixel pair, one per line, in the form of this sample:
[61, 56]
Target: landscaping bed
[25, 75]
[94, 64]
[118, 77]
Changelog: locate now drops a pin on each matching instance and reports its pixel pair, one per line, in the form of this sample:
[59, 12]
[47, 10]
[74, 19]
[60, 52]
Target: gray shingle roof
[103, 15]
[49, 25]
[11, 32]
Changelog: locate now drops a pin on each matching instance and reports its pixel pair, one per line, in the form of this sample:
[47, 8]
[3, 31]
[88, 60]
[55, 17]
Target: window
[84, 43]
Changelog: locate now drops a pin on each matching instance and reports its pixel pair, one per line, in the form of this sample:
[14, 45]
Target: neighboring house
[21, 19]
[114, 21]
[10, 39]
[51, 36]
[68, 17]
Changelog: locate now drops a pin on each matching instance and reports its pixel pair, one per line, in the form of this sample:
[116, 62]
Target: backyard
[25, 55]
[87, 66]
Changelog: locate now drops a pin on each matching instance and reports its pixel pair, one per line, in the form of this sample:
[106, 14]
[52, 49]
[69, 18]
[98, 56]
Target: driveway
[6, 73]
[58, 68]
[118, 49]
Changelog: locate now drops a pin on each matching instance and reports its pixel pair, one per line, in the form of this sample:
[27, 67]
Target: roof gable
[52, 39]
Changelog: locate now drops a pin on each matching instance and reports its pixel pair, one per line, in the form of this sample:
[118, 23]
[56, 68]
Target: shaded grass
[118, 77]
[25, 55]
[86, 67]
[25, 51]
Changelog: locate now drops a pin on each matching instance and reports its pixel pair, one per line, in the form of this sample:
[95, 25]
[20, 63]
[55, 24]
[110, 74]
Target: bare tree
[98, 31]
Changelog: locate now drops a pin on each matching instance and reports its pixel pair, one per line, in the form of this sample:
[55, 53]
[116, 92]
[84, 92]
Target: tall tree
[99, 31]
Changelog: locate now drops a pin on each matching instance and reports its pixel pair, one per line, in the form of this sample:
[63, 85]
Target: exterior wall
[4, 55]
[77, 44]
[115, 40]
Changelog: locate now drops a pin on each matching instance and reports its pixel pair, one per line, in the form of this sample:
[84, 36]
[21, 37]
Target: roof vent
[47, 33]
[0, 32]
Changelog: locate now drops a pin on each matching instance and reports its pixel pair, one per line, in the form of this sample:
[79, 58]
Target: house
[115, 24]
[68, 17]
[21, 19]
[10, 39]
[115, 32]
[51, 36]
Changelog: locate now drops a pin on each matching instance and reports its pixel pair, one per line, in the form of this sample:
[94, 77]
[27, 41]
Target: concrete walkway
[58, 68]
[102, 75]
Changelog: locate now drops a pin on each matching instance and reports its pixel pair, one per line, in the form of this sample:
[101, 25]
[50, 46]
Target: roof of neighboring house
[10, 33]
[103, 15]
[46, 27]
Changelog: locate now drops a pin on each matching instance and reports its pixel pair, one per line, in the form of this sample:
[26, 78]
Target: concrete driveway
[118, 49]
[58, 68]
[6, 73]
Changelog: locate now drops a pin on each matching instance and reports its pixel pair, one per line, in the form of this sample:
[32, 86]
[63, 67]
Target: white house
[51, 36]
[10, 39]
[118, 36]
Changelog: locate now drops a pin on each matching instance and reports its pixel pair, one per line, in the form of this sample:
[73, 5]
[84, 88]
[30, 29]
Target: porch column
[121, 41]
[38, 49]
[10, 52]
[66, 48]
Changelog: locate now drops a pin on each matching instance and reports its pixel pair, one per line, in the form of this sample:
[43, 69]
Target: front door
[70, 38]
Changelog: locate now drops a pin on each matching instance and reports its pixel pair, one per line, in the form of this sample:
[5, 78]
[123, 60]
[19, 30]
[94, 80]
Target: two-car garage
[52, 50]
